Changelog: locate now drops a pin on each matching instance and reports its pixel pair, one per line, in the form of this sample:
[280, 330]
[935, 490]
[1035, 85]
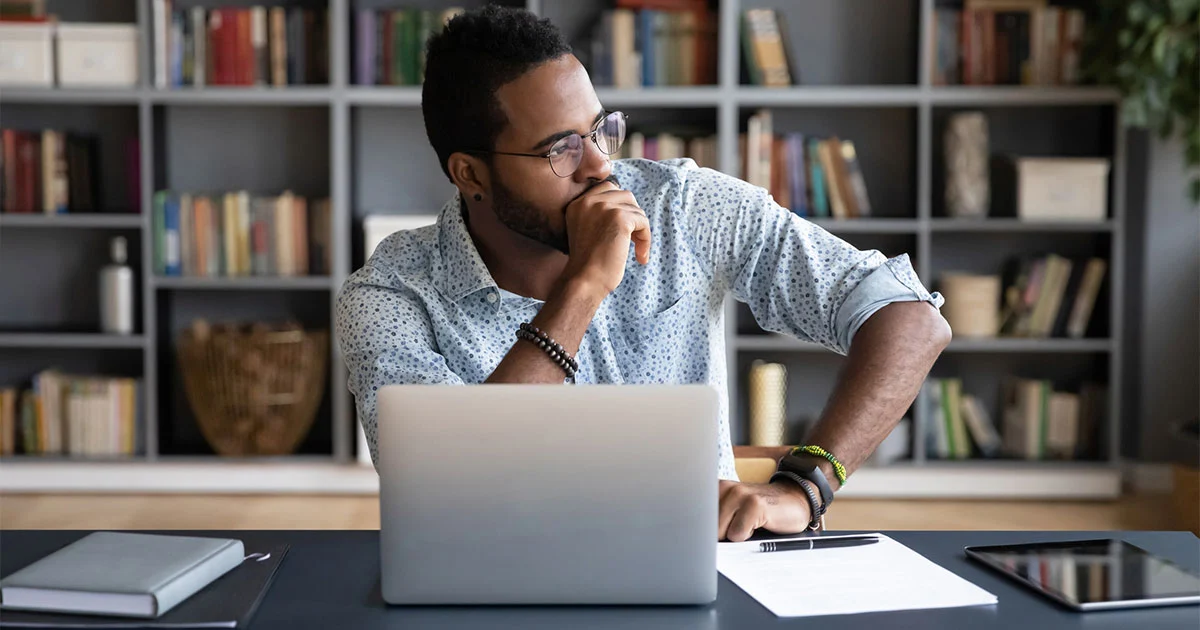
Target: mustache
[611, 178]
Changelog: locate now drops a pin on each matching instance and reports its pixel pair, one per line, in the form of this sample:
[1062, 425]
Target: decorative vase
[768, 403]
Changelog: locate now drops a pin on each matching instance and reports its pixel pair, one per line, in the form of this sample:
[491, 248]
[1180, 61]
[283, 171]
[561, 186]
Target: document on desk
[841, 581]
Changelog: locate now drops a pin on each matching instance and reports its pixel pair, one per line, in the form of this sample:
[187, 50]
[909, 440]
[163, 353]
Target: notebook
[230, 601]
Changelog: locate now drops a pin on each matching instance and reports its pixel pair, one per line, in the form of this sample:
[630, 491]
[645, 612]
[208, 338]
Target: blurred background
[187, 183]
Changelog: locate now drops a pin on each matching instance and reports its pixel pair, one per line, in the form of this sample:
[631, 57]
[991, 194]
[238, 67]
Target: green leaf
[1195, 190]
[1138, 11]
[1192, 154]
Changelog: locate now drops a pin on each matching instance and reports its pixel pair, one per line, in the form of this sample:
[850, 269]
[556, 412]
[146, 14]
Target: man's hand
[600, 225]
[745, 507]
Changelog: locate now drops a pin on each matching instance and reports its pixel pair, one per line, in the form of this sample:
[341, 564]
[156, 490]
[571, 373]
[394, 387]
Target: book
[229, 601]
[118, 573]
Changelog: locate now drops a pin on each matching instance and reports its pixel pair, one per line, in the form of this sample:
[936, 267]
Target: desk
[330, 579]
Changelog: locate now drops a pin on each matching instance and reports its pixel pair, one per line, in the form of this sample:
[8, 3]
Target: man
[622, 266]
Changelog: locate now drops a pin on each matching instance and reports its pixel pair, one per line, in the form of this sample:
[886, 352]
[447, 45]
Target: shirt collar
[462, 271]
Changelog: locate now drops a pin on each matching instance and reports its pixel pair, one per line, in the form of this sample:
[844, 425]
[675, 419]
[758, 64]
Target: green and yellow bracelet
[838, 468]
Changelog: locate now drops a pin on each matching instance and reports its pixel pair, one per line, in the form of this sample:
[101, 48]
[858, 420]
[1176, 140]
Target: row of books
[766, 49]
[1038, 422]
[1017, 42]
[53, 171]
[654, 43]
[65, 414]
[275, 46]
[814, 177]
[1051, 296]
[389, 44]
[667, 146]
[235, 234]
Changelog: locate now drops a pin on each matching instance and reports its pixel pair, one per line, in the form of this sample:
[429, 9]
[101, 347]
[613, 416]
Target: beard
[523, 218]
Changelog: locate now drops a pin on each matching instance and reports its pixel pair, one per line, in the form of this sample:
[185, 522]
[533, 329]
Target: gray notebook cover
[170, 568]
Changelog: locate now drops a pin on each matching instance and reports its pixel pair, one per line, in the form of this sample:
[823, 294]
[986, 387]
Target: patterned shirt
[424, 308]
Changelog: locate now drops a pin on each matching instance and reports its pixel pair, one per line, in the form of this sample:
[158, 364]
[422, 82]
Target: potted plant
[1150, 51]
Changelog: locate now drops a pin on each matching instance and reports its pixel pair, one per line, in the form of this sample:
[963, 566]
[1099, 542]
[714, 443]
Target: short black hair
[479, 51]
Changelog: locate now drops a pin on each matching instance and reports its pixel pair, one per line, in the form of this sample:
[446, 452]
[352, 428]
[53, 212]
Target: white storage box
[1062, 189]
[26, 54]
[97, 55]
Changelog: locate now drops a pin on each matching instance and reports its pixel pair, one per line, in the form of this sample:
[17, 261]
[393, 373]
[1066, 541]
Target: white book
[199, 46]
[118, 573]
[983, 432]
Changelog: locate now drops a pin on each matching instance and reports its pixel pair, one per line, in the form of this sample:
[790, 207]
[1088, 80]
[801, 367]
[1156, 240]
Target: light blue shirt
[424, 308]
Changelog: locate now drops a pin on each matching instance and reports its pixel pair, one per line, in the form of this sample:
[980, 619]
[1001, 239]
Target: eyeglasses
[566, 154]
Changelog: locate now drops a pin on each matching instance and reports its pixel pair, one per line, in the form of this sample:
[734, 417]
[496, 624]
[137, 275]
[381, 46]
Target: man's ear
[469, 174]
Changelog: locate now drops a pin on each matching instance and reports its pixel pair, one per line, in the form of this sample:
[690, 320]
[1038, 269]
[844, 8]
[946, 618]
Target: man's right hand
[600, 225]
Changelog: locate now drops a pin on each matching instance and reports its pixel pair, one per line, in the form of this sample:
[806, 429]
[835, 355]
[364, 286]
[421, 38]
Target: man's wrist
[577, 289]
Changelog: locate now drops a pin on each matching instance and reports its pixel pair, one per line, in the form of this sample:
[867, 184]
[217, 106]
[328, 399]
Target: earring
[478, 197]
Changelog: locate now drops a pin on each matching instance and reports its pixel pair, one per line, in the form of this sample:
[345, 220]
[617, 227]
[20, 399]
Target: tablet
[1093, 574]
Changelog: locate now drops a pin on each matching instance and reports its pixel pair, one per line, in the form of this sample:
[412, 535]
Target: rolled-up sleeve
[385, 338]
[797, 278]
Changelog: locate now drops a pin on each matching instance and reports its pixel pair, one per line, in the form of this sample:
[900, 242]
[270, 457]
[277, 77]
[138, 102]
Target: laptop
[536, 494]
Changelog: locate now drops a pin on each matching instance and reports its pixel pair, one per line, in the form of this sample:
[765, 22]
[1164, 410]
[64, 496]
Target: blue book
[820, 201]
[176, 48]
[645, 37]
[795, 166]
[171, 260]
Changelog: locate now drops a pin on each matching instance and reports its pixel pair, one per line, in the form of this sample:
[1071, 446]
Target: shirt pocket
[652, 348]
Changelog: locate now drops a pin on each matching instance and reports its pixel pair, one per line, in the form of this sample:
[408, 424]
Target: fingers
[740, 511]
[748, 518]
[640, 236]
[727, 507]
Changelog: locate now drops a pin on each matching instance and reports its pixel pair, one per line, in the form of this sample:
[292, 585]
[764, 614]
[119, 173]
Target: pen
[817, 543]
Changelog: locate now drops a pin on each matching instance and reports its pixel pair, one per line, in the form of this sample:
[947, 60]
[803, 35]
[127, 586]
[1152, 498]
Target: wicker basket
[253, 389]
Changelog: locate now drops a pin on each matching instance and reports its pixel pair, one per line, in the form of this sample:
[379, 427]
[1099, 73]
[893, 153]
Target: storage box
[97, 55]
[26, 54]
[1062, 189]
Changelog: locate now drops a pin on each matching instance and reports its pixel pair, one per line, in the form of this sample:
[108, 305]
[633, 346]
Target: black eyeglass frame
[592, 135]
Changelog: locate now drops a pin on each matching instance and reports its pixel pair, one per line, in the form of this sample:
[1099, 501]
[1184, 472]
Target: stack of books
[235, 234]
[1006, 42]
[63, 414]
[1051, 296]
[667, 146]
[1041, 423]
[814, 177]
[766, 49]
[651, 43]
[389, 44]
[1038, 422]
[275, 46]
[55, 172]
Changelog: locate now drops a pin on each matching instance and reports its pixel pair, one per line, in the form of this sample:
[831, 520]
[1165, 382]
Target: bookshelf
[862, 76]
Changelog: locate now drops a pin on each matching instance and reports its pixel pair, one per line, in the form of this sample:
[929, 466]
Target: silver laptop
[537, 494]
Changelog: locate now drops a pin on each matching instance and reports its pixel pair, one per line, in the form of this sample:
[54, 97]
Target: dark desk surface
[330, 579]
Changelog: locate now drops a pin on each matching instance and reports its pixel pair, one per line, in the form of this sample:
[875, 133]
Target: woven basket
[253, 389]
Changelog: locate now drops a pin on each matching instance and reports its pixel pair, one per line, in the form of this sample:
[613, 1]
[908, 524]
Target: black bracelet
[816, 509]
[541, 336]
[555, 351]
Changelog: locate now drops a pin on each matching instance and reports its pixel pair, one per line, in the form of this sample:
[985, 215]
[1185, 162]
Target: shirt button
[491, 298]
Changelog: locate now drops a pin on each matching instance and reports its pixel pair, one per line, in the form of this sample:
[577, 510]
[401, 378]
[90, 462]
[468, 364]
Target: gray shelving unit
[861, 75]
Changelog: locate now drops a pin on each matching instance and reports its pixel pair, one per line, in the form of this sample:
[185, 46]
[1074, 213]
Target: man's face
[542, 106]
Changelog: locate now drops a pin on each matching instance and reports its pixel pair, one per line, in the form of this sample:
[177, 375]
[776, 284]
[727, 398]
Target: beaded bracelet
[555, 351]
[838, 469]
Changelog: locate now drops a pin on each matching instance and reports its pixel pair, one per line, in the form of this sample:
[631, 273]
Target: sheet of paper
[870, 578]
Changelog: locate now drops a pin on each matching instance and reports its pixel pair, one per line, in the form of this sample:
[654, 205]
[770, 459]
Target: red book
[27, 173]
[9, 139]
[216, 42]
[245, 55]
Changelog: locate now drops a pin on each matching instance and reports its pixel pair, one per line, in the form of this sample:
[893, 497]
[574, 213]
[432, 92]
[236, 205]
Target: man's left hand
[744, 507]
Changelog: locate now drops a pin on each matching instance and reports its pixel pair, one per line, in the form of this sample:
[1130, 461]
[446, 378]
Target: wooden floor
[1148, 512]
